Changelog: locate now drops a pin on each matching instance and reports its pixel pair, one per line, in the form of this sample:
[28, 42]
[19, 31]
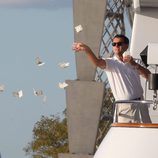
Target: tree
[106, 117]
[50, 137]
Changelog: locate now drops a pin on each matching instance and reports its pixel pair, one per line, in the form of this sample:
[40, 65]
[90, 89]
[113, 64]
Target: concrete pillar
[84, 96]
[84, 102]
[90, 14]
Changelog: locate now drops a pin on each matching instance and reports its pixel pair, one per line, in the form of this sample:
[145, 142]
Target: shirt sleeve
[109, 64]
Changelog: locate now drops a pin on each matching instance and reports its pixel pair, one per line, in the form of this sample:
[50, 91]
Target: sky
[30, 29]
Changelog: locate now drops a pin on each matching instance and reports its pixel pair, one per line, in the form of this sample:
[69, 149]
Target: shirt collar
[115, 57]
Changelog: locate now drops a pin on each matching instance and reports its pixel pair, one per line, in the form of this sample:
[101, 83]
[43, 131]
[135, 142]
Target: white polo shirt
[124, 79]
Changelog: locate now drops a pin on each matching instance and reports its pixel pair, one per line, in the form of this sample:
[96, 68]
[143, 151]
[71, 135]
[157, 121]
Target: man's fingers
[78, 47]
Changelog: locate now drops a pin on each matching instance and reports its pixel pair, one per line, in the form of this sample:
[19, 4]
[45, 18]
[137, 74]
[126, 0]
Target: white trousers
[132, 113]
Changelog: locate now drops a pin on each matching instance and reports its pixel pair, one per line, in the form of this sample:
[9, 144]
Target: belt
[137, 98]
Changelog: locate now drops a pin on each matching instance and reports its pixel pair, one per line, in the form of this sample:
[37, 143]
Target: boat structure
[95, 22]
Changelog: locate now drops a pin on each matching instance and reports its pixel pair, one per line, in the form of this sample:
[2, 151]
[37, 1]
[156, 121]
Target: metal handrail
[135, 125]
[135, 101]
[143, 102]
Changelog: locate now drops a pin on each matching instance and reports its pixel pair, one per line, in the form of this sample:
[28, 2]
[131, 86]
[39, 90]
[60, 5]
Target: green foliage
[106, 115]
[50, 137]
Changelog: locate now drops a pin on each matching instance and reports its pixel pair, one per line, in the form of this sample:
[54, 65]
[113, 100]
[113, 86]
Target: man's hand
[91, 56]
[142, 71]
[80, 47]
[128, 59]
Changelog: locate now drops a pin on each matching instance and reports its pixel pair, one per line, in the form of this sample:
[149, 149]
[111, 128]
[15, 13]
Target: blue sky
[27, 30]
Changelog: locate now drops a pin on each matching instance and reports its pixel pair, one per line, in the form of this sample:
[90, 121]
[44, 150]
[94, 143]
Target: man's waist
[127, 98]
[139, 98]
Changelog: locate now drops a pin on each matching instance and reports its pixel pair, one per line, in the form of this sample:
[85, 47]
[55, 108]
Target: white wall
[145, 30]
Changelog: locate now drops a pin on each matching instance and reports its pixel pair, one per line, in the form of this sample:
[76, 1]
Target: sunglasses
[118, 43]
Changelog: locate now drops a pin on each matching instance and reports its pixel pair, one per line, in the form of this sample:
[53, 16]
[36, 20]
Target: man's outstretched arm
[91, 56]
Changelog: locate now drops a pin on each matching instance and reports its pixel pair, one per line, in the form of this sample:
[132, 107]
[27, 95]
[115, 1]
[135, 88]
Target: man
[123, 73]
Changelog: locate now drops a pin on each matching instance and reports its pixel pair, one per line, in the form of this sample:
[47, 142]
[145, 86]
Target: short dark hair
[126, 40]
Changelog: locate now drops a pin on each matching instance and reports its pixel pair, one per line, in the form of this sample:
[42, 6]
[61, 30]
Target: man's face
[119, 47]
